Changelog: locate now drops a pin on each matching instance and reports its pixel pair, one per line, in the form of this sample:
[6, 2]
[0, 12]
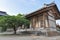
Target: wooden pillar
[30, 25]
[48, 20]
[44, 21]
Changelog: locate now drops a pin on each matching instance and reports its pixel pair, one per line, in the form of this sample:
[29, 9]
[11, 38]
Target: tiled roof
[45, 8]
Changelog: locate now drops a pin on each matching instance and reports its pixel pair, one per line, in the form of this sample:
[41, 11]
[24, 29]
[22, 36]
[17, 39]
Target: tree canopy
[13, 22]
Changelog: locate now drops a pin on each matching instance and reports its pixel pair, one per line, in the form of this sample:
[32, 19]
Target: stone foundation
[52, 33]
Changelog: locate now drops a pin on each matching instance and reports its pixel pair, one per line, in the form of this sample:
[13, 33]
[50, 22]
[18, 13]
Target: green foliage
[3, 23]
[22, 19]
[13, 21]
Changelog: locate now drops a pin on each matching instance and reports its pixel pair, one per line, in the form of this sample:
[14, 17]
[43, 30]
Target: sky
[13, 7]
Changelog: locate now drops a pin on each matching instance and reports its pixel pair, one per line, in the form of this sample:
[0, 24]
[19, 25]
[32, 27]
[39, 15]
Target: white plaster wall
[46, 22]
[52, 24]
[52, 18]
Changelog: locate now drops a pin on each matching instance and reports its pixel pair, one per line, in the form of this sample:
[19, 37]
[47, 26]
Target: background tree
[58, 27]
[3, 23]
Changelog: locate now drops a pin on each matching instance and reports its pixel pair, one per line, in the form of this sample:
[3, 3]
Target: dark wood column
[44, 21]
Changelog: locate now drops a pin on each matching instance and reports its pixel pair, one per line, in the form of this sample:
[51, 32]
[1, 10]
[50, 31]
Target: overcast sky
[13, 7]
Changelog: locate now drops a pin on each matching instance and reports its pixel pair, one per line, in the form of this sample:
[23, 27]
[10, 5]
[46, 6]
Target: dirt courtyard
[29, 38]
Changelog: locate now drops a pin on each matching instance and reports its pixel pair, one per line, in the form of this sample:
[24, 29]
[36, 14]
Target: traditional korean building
[45, 17]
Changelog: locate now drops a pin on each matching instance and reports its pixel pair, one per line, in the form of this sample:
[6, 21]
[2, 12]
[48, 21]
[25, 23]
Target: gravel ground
[29, 38]
[18, 37]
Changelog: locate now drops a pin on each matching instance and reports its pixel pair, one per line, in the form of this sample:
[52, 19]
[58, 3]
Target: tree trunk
[14, 30]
